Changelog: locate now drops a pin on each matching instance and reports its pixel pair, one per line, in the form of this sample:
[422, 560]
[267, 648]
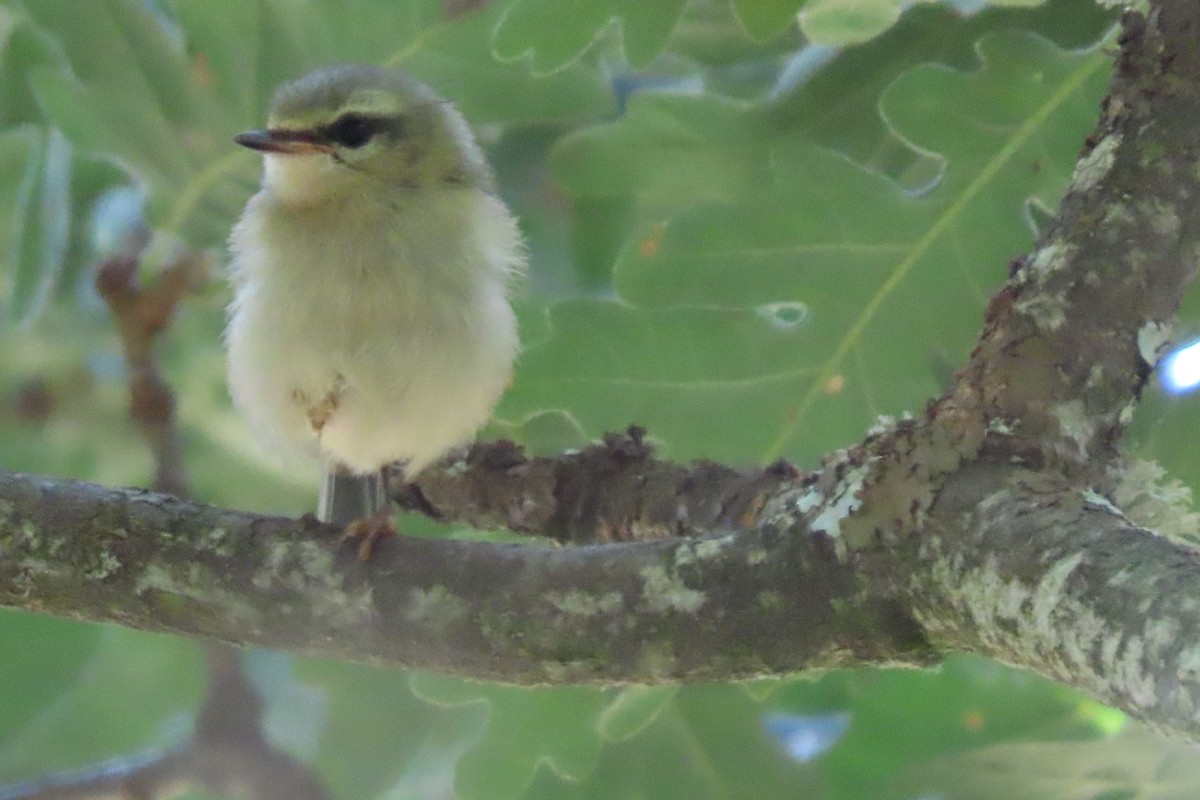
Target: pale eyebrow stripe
[374, 103]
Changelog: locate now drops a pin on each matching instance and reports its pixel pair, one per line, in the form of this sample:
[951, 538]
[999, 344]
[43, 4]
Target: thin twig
[142, 312]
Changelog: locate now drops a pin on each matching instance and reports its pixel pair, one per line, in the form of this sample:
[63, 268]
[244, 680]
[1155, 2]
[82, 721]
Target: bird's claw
[368, 531]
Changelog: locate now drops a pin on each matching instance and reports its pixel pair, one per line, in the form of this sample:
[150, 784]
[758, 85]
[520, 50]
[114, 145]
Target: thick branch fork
[1013, 565]
[1017, 567]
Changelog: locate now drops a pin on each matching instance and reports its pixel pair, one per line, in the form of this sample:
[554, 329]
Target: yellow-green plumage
[371, 320]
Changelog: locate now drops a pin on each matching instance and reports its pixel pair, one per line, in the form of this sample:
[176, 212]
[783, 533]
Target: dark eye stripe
[355, 130]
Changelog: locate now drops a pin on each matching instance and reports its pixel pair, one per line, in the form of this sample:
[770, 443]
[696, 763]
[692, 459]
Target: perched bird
[370, 321]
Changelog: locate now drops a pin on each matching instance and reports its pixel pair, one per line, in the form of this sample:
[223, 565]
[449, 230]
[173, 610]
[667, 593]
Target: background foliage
[755, 226]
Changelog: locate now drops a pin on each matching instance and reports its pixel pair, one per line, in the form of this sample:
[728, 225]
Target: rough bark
[1029, 572]
[612, 491]
[763, 601]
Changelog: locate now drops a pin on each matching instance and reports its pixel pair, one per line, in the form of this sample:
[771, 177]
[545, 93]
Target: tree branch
[612, 491]
[1071, 340]
[761, 601]
[1023, 570]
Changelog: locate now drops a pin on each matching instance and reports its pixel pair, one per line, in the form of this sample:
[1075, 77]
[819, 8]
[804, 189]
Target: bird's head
[349, 129]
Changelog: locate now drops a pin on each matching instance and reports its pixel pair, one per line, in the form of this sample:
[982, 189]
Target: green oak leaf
[526, 727]
[163, 102]
[1135, 764]
[793, 306]
[117, 692]
[765, 19]
[841, 22]
[556, 33]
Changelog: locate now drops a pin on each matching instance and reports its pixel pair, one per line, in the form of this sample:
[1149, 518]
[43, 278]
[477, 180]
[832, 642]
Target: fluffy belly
[372, 332]
[367, 389]
[440, 405]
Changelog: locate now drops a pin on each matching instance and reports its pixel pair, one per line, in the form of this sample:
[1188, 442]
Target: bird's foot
[368, 531]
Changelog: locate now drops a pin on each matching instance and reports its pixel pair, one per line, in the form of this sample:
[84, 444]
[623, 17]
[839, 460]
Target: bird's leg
[359, 503]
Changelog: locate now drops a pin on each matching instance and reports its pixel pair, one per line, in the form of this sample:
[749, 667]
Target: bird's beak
[279, 140]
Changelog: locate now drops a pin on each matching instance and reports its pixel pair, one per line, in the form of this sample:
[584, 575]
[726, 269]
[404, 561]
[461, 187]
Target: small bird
[371, 320]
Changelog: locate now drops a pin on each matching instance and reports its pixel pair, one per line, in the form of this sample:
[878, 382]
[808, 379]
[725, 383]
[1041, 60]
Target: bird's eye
[351, 130]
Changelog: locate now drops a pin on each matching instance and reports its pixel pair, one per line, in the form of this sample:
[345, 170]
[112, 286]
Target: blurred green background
[755, 225]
